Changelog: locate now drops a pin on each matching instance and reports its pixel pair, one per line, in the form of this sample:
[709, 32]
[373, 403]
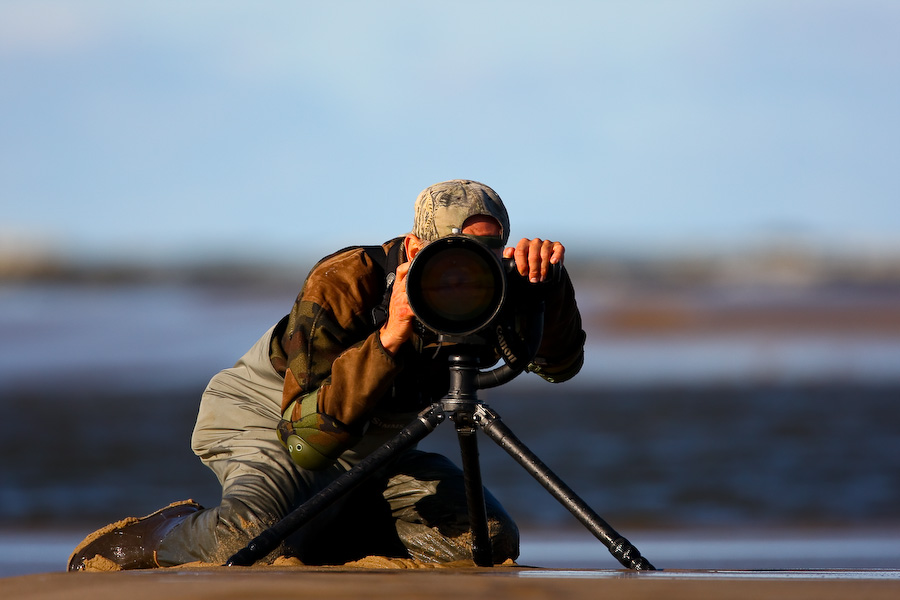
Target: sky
[178, 130]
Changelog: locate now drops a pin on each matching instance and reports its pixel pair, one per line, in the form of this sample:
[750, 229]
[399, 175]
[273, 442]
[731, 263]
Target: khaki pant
[414, 507]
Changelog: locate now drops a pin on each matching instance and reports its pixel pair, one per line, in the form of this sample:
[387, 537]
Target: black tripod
[462, 406]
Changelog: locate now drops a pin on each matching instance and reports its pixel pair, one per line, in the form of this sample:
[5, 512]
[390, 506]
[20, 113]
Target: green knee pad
[316, 440]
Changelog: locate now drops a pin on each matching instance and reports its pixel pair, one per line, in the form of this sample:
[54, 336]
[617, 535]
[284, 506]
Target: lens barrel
[456, 285]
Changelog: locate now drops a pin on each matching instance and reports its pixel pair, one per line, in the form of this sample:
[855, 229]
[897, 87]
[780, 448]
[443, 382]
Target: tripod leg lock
[629, 556]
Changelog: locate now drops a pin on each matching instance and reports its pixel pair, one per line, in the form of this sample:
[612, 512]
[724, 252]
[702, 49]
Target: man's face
[481, 226]
[484, 226]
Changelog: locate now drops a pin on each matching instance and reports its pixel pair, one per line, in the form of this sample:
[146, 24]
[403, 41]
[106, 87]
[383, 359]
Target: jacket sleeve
[561, 353]
[335, 368]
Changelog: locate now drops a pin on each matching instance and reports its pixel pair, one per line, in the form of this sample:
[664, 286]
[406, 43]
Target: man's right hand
[399, 325]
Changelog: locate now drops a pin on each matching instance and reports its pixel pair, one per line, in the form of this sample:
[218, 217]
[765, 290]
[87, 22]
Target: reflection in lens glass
[458, 285]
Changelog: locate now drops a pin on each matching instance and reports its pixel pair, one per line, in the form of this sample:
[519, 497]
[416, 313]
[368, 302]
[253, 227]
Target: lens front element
[455, 285]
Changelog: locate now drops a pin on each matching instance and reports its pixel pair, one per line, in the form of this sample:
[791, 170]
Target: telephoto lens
[456, 285]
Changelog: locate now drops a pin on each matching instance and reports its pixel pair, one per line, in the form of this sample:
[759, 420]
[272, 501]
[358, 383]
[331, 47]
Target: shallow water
[23, 553]
[723, 549]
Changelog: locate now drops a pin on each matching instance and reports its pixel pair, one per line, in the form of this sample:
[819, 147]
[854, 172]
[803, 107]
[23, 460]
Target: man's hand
[399, 325]
[534, 257]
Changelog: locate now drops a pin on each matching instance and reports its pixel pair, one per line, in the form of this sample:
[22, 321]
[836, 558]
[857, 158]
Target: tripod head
[464, 294]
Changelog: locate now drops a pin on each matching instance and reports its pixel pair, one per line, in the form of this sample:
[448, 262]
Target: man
[341, 381]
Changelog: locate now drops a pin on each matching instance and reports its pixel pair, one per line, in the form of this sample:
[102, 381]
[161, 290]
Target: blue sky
[166, 130]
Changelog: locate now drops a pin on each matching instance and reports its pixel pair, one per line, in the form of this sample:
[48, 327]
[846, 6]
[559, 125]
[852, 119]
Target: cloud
[44, 28]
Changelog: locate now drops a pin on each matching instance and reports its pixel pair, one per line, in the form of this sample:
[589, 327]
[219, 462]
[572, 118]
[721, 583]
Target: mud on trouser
[414, 507]
[427, 496]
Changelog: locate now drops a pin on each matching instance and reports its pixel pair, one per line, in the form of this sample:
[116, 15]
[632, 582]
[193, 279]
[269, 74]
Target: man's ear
[412, 245]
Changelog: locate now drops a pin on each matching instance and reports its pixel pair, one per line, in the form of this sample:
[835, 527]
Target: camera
[462, 291]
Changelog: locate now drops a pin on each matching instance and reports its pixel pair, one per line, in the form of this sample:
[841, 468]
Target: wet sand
[398, 583]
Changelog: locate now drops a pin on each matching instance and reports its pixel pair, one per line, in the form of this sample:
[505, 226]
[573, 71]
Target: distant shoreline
[779, 264]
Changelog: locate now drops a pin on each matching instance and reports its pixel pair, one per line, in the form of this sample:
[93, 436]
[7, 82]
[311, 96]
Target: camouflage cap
[445, 206]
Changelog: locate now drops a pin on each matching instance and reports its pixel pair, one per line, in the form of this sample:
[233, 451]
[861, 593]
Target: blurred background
[724, 177]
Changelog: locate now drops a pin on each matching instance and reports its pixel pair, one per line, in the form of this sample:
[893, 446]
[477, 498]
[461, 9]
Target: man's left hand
[534, 257]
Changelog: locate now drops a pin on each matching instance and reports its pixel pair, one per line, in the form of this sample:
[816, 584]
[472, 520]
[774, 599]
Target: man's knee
[428, 497]
[504, 537]
[442, 544]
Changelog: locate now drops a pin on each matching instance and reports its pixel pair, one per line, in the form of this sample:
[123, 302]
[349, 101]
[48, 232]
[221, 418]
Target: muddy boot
[130, 543]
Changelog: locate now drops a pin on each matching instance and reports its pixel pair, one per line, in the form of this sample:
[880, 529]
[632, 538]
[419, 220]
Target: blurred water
[99, 388]
[132, 336]
[166, 335]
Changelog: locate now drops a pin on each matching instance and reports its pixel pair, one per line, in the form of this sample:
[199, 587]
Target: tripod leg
[482, 552]
[619, 547]
[269, 539]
